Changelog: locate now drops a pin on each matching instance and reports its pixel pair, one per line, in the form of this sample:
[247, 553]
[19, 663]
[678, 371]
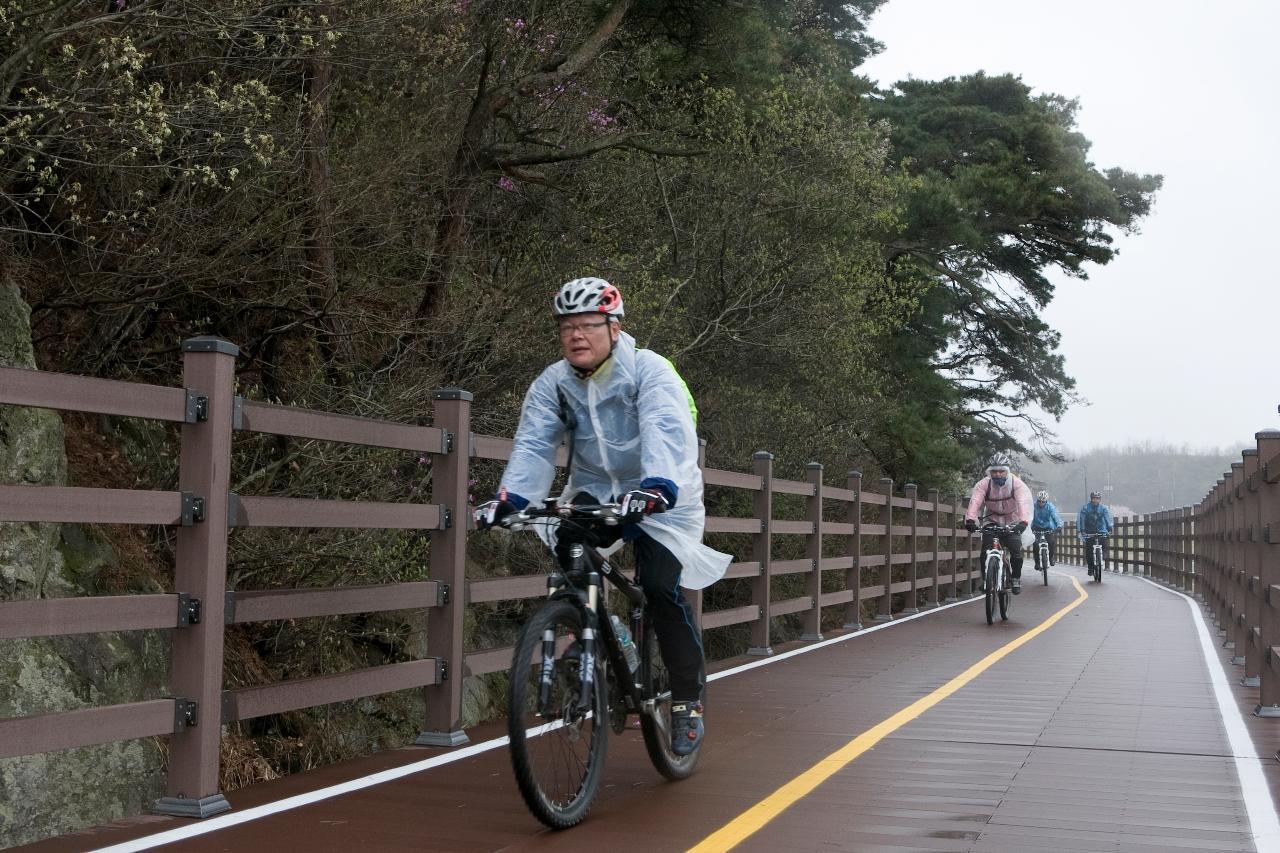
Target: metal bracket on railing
[237, 412]
[192, 509]
[197, 407]
[186, 714]
[442, 670]
[188, 610]
[229, 607]
[233, 509]
[446, 518]
[446, 441]
[442, 594]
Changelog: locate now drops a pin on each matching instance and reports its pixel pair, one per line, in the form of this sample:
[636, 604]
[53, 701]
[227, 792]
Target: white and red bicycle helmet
[588, 295]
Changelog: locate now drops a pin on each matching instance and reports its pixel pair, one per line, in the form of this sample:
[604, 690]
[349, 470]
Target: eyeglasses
[568, 329]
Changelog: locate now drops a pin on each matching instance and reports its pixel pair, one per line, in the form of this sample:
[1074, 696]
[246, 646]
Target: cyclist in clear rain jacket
[634, 442]
[1094, 517]
[1008, 501]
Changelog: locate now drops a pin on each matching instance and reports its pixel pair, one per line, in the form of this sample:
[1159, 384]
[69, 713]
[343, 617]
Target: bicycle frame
[599, 630]
[1095, 547]
[997, 550]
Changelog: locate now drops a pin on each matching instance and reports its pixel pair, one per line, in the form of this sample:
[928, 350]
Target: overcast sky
[1176, 339]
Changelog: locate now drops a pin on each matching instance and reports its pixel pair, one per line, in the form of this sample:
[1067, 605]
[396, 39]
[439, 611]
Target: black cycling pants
[1012, 543]
[1052, 538]
[671, 616]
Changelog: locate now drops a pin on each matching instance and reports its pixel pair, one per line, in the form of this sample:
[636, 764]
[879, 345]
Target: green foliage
[1001, 190]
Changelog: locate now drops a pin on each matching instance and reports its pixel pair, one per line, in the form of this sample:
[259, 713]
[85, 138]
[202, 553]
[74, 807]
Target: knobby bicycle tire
[656, 727]
[1044, 564]
[557, 749]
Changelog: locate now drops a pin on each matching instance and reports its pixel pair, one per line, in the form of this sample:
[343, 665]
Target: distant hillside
[1142, 477]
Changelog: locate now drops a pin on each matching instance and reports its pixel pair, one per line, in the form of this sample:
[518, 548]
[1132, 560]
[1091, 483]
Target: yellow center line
[753, 819]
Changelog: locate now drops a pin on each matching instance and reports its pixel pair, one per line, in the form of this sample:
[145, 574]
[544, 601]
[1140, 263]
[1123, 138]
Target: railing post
[970, 541]
[884, 609]
[935, 595]
[813, 586]
[1182, 529]
[1269, 533]
[200, 571]
[1251, 612]
[853, 577]
[912, 604]
[763, 554]
[695, 596]
[1235, 521]
[443, 725]
[953, 541]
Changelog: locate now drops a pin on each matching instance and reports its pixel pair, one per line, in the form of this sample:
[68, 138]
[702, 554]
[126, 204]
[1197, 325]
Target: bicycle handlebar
[608, 514]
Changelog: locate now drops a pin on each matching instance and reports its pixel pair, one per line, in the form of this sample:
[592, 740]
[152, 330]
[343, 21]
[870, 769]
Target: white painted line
[1253, 784]
[232, 819]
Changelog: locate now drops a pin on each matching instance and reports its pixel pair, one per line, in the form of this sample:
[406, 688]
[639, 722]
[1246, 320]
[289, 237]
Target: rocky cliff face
[45, 795]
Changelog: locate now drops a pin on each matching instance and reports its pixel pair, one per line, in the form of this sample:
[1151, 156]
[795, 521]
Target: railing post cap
[1235, 465]
[210, 343]
[762, 454]
[1249, 451]
[886, 479]
[911, 486]
[813, 466]
[1267, 433]
[453, 394]
[857, 474]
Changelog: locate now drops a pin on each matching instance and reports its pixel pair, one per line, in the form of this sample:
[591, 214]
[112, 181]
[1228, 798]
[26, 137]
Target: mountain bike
[573, 678]
[1041, 552]
[1093, 549]
[996, 578]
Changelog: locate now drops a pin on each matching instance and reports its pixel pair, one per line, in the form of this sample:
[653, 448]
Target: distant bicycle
[1041, 553]
[996, 578]
[579, 671]
[1093, 554]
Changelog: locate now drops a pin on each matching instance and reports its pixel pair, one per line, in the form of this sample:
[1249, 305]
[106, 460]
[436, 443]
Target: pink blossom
[506, 184]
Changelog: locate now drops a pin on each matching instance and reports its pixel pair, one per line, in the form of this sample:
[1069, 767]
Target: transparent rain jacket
[634, 426]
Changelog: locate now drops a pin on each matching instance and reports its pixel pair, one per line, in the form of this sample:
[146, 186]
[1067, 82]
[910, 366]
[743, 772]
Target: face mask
[999, 481]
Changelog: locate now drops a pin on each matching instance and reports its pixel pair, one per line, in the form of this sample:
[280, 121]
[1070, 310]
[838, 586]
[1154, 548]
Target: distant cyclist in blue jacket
[1094, 517]
[1045, 517]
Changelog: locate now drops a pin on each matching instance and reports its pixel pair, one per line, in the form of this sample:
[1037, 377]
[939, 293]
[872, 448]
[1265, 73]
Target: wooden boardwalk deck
[1100, 734]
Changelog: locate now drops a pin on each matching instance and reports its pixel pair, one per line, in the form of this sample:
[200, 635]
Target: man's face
[1095, 500]
[1000, 474]
[586, 339]
[1041, 502]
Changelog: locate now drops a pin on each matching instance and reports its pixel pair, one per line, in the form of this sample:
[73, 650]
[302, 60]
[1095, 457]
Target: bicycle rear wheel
[558, 741]
[656, 726]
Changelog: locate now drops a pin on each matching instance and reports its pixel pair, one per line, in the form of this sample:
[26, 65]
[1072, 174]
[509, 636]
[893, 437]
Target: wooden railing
[860, 545]
[1222, 550]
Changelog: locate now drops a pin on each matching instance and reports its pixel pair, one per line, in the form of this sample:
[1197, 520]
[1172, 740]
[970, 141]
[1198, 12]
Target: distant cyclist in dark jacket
[1045, 517]
[1094, 517]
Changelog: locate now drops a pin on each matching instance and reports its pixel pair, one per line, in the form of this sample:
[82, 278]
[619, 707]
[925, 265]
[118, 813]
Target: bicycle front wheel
[558, 736]
[656, 725]
[992, 581]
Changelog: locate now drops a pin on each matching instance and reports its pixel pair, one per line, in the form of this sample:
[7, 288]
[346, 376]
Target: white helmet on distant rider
[1042, 497]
